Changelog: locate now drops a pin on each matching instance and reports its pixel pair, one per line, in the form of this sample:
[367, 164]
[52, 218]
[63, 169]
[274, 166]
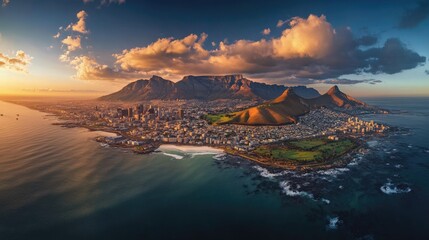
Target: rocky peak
[333, 90]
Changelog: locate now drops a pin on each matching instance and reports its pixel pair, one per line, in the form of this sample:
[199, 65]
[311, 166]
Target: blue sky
[99, 65]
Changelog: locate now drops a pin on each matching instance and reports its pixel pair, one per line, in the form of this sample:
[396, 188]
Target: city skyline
[91, 48]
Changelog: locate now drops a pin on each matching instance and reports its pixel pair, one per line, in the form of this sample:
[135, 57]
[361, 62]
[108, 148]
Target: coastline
[151, 146]
[293, 165]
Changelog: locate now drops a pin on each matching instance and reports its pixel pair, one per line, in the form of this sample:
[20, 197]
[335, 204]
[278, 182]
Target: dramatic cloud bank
[413, 17]
[17, 63]
[309, 51]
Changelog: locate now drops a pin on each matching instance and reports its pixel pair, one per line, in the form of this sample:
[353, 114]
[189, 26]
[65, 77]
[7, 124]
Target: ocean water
[58, 183]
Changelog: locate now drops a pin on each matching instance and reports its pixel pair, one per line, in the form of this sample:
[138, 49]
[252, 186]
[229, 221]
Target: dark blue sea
[58, 183]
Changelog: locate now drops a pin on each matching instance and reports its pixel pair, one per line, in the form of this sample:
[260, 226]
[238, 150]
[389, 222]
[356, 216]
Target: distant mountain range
[204, 88]
[288, 107]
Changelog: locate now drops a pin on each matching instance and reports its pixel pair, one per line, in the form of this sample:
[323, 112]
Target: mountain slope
[288, 107]
[203, 88]
[282, 110]
[335, 98]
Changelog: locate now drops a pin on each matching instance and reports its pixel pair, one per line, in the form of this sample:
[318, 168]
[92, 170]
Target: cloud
[367, 40]
[106, 2]
[65, 57]
[311, 37]
[413, 17]
[392, 58]
[310, 50]
[345, 81]
[337, 81]
[19, 62]
[280, 23]
[5, 3]
[72, 43]
[427, 72]
[57, 35]
[80, 25]
[266, 31]
[165, 53]
[87, 68]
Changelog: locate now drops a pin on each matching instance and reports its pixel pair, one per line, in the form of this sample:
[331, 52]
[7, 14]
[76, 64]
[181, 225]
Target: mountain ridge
[287, 107]
[203, 88]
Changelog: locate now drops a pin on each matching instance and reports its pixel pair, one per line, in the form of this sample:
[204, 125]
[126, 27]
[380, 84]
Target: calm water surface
[58, 183]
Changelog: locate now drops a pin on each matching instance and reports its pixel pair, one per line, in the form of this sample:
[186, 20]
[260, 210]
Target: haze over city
[91, 48]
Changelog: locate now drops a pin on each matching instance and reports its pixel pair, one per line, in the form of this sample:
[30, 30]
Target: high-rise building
[139, 108]
[130, 112]
[124, 113]
[181, 113]
[119, 111]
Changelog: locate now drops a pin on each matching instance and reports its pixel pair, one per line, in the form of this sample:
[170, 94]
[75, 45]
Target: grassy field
[218, 118]
[308, 144]
[306, 149]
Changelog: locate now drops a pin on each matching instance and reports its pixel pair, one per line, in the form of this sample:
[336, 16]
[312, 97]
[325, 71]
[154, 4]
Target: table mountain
[203, 88]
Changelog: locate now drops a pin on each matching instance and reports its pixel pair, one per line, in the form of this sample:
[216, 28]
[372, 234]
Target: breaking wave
[390, 188]
[202, 154]
[325, 200]
[265, 173]
[287, 189]
[333, 223]
[220, 156]
[333, 172]
[178, 157]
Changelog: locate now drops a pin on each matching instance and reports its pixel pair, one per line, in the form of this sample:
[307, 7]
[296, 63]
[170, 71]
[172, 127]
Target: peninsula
[288, 131]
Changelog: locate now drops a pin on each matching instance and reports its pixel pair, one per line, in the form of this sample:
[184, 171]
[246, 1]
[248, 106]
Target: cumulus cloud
[266, 31]
[312, 37]
[309, 51]
[80, 25]
[165, 53]
[392, 58]
[413, 17]
[5, 3]
[72, 43]
[19, 62]
[87, 68]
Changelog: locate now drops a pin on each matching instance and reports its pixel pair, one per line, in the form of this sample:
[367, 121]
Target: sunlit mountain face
[93, 47]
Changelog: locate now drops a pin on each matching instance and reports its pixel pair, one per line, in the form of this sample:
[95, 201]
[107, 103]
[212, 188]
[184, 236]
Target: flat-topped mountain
[203, 88]
[288, 107]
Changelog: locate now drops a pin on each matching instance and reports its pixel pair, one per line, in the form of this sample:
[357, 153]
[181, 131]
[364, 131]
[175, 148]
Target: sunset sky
[94, 47]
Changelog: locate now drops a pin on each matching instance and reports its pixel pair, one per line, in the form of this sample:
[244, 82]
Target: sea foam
[265, 173]
[287, 189]
[390, 188]
[333, 223]
[178, 157]
[220, 156]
